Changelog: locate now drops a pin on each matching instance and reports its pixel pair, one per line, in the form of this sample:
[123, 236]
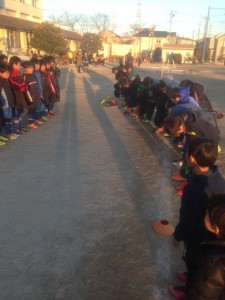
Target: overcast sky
[188, 16]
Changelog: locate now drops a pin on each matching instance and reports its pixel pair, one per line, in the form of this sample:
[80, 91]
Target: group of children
[183, 112]
[28, 93]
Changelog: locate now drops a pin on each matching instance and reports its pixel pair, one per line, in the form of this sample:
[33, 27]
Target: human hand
[219, 115]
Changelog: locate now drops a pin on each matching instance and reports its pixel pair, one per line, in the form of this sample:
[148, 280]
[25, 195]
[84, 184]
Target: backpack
[198, 121]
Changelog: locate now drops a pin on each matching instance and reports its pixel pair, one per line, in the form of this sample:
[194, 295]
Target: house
[150, 43]
[217, 48]
[15, 36]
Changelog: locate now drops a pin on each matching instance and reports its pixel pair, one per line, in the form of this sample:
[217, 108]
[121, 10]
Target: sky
[188, 17]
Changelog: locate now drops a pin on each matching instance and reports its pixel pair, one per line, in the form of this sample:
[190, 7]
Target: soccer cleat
[24, 129]
[12, 136]
[32, 125]
[3, 139]
[18, 131]
[36, 123]
[45, 119]
[39, 122]
[177, 163]
[2, 143]
[177, 292]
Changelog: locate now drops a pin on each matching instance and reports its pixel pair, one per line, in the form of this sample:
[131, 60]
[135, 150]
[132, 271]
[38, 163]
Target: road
[79, 196]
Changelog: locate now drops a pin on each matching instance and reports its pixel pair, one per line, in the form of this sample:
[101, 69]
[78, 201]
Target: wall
[24, 10]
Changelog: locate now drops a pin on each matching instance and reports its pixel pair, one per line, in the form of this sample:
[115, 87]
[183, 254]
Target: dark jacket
[32, 94]
[8, 96]
[198, 121]
[190, 228]
[46, 87]
[54, 89]
[209, 280]
[19, 89]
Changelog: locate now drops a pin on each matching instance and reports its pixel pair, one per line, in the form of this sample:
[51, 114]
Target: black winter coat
[209, 280]
[5, 85]
[190, 228]
[32, 94]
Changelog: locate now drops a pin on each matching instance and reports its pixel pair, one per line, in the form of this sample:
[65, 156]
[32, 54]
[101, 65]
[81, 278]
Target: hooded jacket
[209, 280]
[190, 228]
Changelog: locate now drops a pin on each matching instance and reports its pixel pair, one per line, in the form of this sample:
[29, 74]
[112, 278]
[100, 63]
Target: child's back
[209, 278]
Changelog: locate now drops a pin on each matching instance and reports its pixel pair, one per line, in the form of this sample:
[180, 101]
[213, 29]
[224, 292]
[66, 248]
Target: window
[22, 1]
[158, 41]
[34, 3]
[13, 39]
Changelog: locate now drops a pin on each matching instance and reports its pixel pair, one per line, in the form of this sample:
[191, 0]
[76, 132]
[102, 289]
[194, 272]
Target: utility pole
[172, 15]
[205, 35]
[199, 28]
[139, 13]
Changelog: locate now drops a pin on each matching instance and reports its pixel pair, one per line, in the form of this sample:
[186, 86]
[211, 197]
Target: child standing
[33, 96]
[205, 181]
[19, 88]
[209, 279]
[46, 90]
[40, 110]
[54, 95]
[7, 103]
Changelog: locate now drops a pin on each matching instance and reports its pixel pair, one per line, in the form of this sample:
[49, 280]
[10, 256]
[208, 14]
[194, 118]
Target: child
[147, 101]
[19, 88]
[52, 75]
[162, 105]
[205, 181]
[46, 90]
[40, 110]
[209, 279]
[7, 103]
[190, 121]
[33, 96]
[85, 63]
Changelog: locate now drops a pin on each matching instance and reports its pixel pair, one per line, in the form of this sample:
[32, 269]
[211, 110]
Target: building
[150, 44]
[18, 18]
[30, 10]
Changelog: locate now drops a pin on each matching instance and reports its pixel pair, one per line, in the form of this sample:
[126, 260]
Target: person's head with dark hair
[36, 63]
[42, 65]
[147, 81]
[174, 126]
[186, 82]
[47, 61]
[15, 63]
[174, 94]
[4, 70]
[28, 67]
[162, 86]
[4, 67]
[202, 152]
[215, 216]
[3, 58]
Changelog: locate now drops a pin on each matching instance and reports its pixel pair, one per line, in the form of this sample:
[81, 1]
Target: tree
[83, 23]
[100, 22]
[91, 42]
[48, 38]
